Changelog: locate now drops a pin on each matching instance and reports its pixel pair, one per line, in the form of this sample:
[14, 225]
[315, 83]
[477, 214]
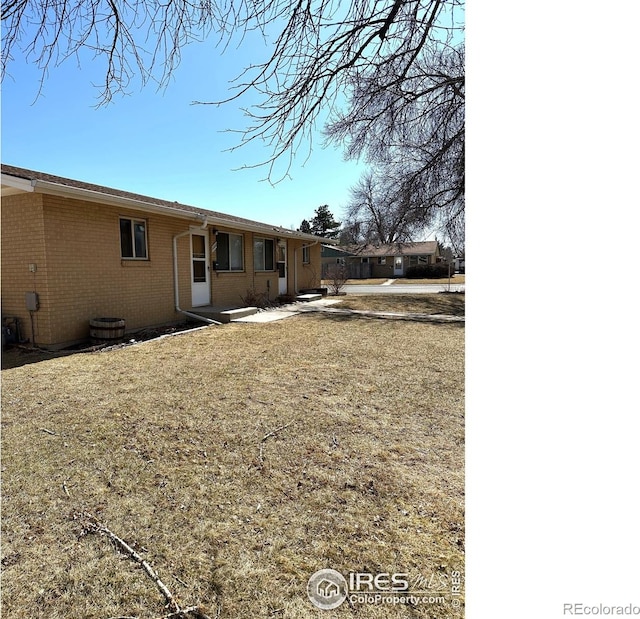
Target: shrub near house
[430, 271]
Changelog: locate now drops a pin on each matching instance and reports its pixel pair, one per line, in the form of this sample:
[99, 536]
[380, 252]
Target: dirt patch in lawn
[441, 303]
[237, 461]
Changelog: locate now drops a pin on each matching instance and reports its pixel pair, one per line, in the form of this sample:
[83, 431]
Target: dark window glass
[222, 262]
[140, 236]
[126, 239]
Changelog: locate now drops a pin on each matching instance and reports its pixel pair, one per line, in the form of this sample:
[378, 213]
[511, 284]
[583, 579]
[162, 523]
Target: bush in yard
[337, 275]
[429, 271]
[284, 299]
[253, 298]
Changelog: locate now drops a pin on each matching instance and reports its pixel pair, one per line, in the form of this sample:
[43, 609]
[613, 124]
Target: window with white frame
[229, 252]
[382, 260]
[263, 252]
[133, 239]
[306, 254]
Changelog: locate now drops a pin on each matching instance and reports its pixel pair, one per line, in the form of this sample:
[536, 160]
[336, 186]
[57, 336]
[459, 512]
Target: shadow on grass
[452, 303]
[346, 315]
[15, 357]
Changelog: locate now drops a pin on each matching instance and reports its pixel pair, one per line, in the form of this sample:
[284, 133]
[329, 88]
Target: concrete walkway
[324, 306]
[286, 311]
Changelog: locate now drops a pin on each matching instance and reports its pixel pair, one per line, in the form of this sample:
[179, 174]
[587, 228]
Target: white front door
[397, 266]
[281, 261]
[200, 287]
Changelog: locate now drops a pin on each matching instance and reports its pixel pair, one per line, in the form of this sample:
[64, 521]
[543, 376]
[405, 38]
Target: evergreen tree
[324, 224]
[305, 227]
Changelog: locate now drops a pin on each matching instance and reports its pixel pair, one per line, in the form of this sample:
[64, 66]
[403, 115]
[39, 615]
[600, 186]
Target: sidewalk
[286, 311]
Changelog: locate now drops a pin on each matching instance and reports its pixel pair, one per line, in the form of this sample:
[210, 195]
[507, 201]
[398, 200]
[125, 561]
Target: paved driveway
[401, 288]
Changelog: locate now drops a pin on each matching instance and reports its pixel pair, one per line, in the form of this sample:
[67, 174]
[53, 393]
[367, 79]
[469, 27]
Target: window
[364, 260]
[306, 254]
[416, 260]
[382, 260]
[229, 252]
[199, 258]
[263, 254]
[133, 239]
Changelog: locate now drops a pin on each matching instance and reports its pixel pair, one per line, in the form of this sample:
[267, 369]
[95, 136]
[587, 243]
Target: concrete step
[234, 314]
[308, 297]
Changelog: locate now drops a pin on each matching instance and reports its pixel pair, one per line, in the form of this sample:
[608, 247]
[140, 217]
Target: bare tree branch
[385, 76]
[411, 130]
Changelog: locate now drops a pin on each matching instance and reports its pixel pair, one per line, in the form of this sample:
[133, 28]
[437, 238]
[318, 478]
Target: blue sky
[157, 143]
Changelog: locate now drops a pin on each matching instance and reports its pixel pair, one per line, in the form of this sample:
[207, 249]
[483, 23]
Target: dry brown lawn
[361, 469]
[372, 281]
[455, 279]
[440, 303]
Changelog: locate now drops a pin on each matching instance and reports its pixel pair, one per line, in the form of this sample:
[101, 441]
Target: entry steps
[234, 314]
[310, 296]
[229, 315]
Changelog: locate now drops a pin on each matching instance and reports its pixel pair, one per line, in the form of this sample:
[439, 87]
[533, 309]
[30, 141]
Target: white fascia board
[105, 198]
[12, 185]
[265, 229]
[50, 188]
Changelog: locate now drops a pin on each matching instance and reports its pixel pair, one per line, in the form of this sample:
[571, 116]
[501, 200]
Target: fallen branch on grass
[93, 526]
[192, 610]
[274, 432]
[269, 435]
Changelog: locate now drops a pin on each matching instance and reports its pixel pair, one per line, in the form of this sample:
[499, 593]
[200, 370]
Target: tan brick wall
[81, 275]
[23, 244]
[228, 288]
[309, 275]
[89, 279]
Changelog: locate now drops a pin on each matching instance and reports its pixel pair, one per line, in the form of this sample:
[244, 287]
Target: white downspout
[176, 290]
[295, 264]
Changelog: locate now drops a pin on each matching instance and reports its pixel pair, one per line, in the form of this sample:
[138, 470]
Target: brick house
[88, 251]
[382, 260]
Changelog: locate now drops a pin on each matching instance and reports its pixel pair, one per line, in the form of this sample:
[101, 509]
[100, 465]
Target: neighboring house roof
[19, 180]
[394, 249]
[332, 252]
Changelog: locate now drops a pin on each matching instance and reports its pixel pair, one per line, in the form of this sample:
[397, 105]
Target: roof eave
[12, 185]
[50, 188]
[47, 187]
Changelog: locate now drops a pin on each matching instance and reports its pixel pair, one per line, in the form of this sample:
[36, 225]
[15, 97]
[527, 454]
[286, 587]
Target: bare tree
[337, 276]
[383, 209]
[321, 49]
[412, 134]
